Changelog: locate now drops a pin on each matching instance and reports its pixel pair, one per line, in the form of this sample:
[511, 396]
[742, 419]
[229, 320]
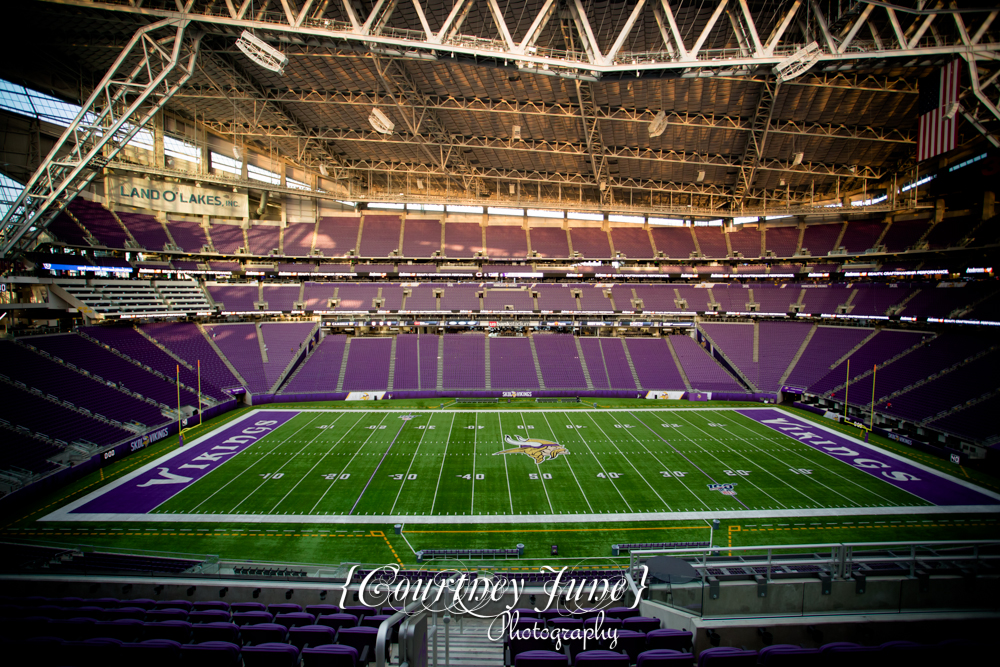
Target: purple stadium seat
[663, 656]
[541, 659]
[141, 603]
[174, 604]
[727, 656]
[72, 629]
[215, 632]
[294, 619]
[252, 617]
[106, 603]
[312, 635]
[211, 654]
[124, 629]
[211, 605]
[178, 631]
[630, 642]
[902, 646]
[607, 624]
[641, 624]
[337, 621]
[361, 611]
[69, 602]
[152, 653]
[263, 633]
[270, 654]
[602, 658]
[208, 616]
[246, 606]
[125, 612]
[374, 621]
[677, 640]
[360, 638]
[318, 610]
[785, 654]
[330, 655]
[284, 608]
[857, 655]
[166, 615]
[621, 612]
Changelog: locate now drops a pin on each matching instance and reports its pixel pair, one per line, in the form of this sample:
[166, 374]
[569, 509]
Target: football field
[504, 465]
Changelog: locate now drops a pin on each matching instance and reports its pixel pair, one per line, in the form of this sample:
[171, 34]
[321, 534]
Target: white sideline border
[65, 513]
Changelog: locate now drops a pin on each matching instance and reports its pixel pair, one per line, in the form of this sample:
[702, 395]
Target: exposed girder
[877, 33]
[151, 68]
[554, 110]
[812, 169]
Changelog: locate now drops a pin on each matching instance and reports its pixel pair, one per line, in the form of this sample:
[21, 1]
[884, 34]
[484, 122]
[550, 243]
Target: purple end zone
[151, 488]
[924, 484]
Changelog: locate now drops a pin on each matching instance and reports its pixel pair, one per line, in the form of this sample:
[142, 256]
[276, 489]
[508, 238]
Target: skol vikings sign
[536, 448]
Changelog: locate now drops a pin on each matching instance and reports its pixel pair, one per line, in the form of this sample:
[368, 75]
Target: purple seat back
[663, 656]
[318, 610]
[211, 654]
[174, 604]
[263, 633]
[541, 659]
[270, 654]
[373, 621]
[785, 654]
[141, 603]
[330, 655]
[360, 611]
[164, 614]
[137, 613]
[252, 617]
[726, 656]
[152, 653]
[641, 624]
[313, 635]
[621, 612]
[602, 658]
[295, 619]
[246, 606]
[284, 608]
[215, 632]
[630, 642]
[210, 605]
[677, 640]
[359, 637]
[178, 631]
[337, 621]
[208, 616]
[124, 629]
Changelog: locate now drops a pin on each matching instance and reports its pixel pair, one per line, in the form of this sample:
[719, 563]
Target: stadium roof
[550, 101]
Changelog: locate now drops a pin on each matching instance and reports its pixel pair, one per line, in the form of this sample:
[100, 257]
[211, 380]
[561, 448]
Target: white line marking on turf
[928, 510]
[538, 467]
[346, 466]
[475, 438]
[321, 459]
[506, 471]
[249, 466]
[629, 461]
[666, 467]
[413, 458]
[601, 465]
[568, 465]
[443, 459]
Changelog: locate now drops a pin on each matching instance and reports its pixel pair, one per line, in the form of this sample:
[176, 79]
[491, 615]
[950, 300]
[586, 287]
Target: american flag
[938, 92]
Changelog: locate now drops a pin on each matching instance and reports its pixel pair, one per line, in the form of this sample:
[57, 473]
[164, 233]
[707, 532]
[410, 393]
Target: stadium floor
[551, 466]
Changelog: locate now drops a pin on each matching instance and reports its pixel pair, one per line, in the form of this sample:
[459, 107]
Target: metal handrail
[385, 627]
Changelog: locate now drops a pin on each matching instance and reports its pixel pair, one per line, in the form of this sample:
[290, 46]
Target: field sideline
[313, 466]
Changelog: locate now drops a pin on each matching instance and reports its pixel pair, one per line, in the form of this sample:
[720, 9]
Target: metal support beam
[152, 67]
[592, 134]
[753, 154]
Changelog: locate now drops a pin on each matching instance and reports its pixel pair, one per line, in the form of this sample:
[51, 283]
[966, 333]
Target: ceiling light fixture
[380, 122]
[797, 159]
[323, 170]
[799, 62]
[517, 132]
[261, 52]
[701, 176]
[237, 153]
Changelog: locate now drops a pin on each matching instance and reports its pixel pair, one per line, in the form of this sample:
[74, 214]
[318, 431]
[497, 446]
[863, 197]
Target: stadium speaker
[256, 593]
[289, 593]
[223, 591]
[191, 590]
[322, 595]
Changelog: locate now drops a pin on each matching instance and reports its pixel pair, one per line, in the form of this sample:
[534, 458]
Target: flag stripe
[936, 133]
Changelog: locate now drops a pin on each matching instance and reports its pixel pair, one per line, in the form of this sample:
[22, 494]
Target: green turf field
[451, 463]
[323, 486]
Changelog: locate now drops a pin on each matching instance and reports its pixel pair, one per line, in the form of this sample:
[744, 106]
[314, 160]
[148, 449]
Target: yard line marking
[379, 465]
[413, 458]
[628, 460]
[321, 458]
[566, 459]
[506, 471]
[538, 466]
[608, 477]
[370, 436]
[475, 433]
[443, 459]
[282, 467]
[318, 415]
[679, 479]
[682, 455]
[748, 459]
[814, 463]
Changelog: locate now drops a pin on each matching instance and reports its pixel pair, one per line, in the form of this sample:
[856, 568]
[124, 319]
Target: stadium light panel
[261, 52]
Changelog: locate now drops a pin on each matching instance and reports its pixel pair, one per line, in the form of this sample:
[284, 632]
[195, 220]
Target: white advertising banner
[178, 197]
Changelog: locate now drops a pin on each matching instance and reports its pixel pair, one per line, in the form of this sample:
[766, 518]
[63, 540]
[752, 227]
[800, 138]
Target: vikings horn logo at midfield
[536, 448]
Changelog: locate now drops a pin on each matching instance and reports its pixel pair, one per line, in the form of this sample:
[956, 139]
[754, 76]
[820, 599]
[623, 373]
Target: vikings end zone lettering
[895, 470]
[157, 483]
